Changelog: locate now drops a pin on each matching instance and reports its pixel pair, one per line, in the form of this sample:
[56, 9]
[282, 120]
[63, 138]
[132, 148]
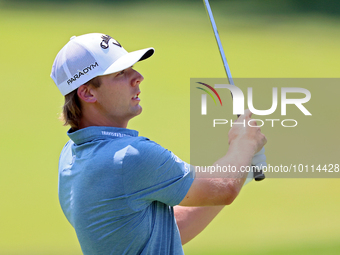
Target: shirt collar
[90, 133]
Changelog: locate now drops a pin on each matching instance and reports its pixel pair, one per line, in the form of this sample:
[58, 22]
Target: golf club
[258, 173]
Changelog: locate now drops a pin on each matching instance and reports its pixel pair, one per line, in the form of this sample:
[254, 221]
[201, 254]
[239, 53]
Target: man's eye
[122, 72]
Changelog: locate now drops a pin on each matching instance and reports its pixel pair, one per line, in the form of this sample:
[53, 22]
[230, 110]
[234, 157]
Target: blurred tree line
[330, 7]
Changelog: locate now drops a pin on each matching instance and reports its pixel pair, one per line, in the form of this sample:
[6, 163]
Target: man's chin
[139, 110]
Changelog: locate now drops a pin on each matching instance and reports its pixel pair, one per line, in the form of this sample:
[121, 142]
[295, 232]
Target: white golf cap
[87, 56]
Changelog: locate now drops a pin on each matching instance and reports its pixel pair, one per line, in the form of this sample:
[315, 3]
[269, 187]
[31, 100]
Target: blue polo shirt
[118, 190]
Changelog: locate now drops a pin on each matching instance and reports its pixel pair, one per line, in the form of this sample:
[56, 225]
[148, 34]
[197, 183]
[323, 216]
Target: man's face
[117, 97]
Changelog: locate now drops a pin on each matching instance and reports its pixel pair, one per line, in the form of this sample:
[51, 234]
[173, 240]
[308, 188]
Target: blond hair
[72, 113]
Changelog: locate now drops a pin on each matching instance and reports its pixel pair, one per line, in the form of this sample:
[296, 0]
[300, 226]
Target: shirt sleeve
[152, 173]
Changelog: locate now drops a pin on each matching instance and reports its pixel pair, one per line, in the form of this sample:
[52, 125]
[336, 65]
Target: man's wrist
[244, 146]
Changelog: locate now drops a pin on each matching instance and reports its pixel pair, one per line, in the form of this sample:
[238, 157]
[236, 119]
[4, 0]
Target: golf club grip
[258, 174]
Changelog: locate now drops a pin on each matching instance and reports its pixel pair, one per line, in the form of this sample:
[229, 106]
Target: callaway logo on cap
[87, 56]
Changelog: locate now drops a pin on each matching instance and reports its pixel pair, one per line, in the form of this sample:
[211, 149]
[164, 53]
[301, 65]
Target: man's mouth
[136, 96]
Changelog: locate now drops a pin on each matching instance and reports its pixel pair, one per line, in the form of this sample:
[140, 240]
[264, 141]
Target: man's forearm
[223, 187]
[192, 220]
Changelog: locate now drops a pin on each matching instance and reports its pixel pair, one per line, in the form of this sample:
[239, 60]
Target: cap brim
[129, 60]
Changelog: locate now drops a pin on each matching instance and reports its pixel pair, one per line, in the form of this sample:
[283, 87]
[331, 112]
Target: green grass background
[277, 216]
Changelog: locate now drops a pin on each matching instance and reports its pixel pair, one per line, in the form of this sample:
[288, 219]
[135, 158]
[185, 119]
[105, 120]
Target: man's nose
[138, 78]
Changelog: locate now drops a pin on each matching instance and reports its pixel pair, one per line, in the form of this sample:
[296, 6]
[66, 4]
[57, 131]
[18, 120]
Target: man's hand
[243, 134]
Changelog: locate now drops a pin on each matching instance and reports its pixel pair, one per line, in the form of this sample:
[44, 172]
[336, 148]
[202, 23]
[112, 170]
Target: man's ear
[85, 93]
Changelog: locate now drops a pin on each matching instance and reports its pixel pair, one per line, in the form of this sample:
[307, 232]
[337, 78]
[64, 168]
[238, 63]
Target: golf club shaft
[258, 173]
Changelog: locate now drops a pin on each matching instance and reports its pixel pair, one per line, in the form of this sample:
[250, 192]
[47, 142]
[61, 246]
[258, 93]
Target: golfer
[123, 193]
